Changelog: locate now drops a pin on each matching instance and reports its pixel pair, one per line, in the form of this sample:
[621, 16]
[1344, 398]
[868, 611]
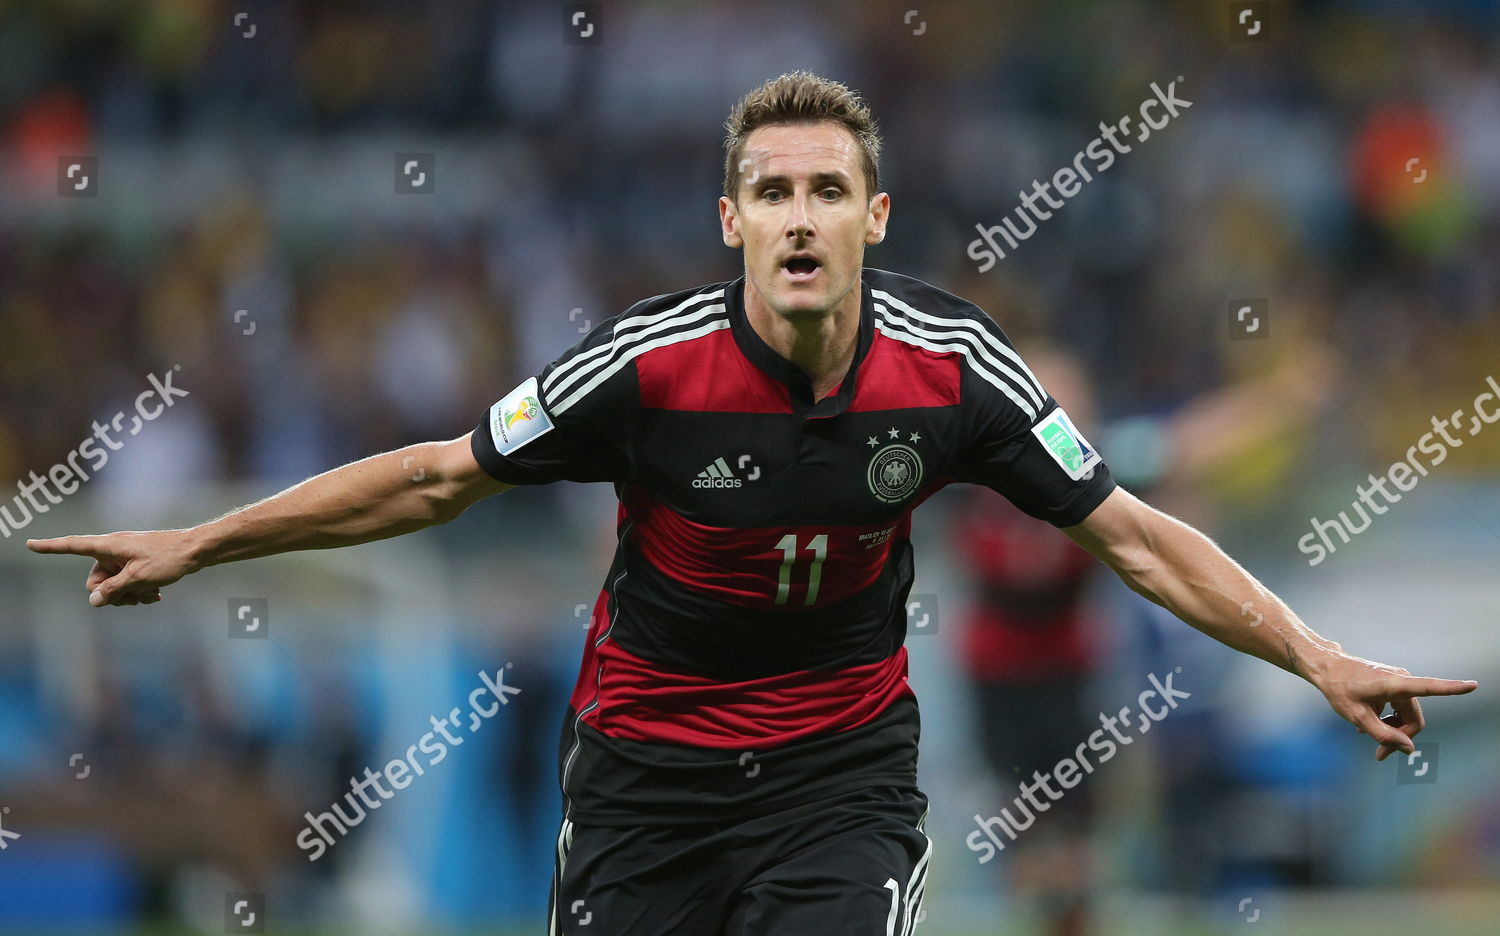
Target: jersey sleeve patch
[518, 418]
[1067, 446]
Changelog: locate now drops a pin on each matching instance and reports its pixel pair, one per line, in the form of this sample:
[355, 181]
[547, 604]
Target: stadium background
[245, 229]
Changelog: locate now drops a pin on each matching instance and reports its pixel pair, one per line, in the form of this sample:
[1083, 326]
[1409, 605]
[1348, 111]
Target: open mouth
[801, 268]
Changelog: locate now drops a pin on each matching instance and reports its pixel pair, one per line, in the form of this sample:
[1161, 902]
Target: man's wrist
[201, 542]
[1312, 657]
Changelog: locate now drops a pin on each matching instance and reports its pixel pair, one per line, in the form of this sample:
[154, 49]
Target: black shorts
[853, 863]
[1028, 727]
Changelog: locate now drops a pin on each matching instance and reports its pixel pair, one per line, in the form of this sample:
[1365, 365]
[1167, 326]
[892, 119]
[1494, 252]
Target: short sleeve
[571, 422]
[1019, 441]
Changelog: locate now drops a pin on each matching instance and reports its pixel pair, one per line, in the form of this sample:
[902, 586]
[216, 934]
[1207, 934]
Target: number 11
[788, 546]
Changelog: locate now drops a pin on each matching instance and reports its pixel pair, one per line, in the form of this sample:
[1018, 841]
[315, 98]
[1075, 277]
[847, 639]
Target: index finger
[1429, 686]
[70, 545]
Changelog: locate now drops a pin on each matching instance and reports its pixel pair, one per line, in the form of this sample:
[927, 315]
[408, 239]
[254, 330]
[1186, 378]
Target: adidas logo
[716, 475]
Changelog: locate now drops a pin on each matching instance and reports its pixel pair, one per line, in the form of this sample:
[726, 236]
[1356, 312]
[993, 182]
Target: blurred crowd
[1289, 179]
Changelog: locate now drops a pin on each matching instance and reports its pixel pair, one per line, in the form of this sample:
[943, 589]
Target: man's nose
[798, 224]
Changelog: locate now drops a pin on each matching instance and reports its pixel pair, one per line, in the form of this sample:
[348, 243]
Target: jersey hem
[1091, 499]
[491, 461]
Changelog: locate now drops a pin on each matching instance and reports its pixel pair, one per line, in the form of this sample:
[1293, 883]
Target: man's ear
[729, 221]
[879, 216]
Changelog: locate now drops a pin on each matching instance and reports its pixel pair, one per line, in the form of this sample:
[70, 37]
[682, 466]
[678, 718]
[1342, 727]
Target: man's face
[802, 215]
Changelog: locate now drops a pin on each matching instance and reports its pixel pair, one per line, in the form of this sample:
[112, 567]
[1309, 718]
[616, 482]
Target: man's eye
[771, 195]
[832, 191]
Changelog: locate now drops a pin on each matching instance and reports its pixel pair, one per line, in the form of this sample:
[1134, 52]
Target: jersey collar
[796, 379]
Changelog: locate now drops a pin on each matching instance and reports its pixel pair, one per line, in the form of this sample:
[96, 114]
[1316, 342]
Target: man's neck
[821, 344]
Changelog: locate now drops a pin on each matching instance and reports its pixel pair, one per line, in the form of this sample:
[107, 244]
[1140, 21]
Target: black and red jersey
[746, 651]
[1030, 623]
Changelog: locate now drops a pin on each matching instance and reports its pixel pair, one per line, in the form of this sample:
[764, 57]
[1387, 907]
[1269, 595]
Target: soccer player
[739, 754]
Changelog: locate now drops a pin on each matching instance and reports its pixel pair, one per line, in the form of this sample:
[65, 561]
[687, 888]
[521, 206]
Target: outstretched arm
[374, 498]
[1179, 568]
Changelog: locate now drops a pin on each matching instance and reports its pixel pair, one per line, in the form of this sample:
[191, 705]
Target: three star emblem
[895, 434]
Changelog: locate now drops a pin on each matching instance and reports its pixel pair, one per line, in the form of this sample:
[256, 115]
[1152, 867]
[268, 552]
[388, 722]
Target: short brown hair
[800, 97]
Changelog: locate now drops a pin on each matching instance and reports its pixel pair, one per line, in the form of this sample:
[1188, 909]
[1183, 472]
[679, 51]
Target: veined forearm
[1185, 572]
[373, 498]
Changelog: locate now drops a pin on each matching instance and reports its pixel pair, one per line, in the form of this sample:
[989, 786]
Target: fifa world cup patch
[1066, 444]
[518, 418]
